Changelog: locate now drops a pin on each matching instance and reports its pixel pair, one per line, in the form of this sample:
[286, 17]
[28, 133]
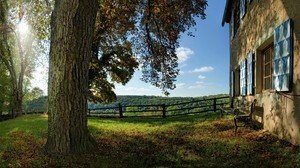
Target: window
[236, 18]
[267, 67]
[237, 15]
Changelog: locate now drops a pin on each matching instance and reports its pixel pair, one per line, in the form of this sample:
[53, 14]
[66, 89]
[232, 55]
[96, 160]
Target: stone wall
[281, 110]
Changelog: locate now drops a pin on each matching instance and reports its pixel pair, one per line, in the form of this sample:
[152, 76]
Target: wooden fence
[161, 110]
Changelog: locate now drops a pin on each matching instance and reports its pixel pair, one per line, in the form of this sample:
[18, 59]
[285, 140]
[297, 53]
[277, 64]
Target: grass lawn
[185, 141]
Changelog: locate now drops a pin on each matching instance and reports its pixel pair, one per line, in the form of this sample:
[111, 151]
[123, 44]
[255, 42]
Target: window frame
[269, 48]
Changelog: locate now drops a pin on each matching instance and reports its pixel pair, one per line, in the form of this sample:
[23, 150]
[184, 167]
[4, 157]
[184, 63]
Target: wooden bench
[227, 110]
[245, 118]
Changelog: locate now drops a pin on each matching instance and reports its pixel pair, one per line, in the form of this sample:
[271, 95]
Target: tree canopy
[130, 33]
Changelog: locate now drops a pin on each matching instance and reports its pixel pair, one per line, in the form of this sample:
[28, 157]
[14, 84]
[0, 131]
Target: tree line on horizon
[40, 104]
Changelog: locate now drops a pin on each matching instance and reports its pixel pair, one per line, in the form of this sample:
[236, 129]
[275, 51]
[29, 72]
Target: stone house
[265, 61]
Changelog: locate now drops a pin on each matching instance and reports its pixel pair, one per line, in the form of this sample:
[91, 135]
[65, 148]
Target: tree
[19, 46]
[126, 31]
[72, 28]
[4, 78]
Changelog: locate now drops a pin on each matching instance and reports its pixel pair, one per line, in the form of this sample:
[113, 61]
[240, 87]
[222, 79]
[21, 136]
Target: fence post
[164, 111]
[120, 110]
[215, 104]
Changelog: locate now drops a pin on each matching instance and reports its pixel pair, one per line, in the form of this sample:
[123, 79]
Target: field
[185, 141]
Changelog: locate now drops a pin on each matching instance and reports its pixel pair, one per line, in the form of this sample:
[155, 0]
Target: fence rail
[161, 110]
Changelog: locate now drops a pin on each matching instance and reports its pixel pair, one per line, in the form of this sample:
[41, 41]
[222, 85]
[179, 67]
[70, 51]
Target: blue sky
[203, 61]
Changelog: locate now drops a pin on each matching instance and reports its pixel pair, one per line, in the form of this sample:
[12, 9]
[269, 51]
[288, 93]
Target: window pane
[267, 70]
[267, 83]
[267, 56]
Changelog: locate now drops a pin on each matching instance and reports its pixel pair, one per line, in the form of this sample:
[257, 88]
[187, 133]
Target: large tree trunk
[72, 28]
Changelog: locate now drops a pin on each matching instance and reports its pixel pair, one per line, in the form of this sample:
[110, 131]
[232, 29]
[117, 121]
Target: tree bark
[72, 28]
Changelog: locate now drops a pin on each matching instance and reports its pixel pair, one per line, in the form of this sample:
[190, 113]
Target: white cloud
[183, 54]
[196, 86]
[139, 90]
[203, 69]
[180, 85]
[132, 90]
[201, 77]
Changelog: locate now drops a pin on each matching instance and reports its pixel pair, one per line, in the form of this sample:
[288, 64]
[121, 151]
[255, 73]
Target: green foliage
[5, 90]
[32, 94]
[153, 100]
[37, 105]
[188, 141]
[19, 49]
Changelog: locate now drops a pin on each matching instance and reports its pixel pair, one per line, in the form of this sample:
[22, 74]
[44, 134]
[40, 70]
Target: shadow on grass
[191, 142]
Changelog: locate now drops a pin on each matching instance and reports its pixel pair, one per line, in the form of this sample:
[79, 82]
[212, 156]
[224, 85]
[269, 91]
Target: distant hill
[40, 104]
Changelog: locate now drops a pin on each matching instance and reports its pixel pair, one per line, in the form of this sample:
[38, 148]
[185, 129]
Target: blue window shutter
[283, 54]
[250, 73]
[243, 77]
[242, 8]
